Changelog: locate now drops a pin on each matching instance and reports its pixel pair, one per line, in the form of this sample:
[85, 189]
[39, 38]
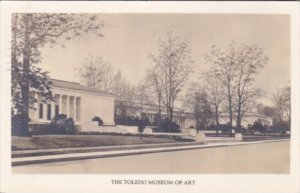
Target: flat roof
[77, 86]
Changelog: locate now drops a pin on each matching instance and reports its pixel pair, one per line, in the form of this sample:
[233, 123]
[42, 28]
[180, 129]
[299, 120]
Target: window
[56, 109]
[48, 111]
[41, 109]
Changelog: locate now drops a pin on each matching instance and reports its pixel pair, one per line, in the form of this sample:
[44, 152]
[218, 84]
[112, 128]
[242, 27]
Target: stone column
[68, 106]
[74, 109]
[52, 109]
[78, 109]
[60, 103]
[44, 111]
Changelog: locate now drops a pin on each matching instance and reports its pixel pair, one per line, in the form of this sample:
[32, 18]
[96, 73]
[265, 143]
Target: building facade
[149, 111]
[247, 120]
[76, 101]
[83, 103]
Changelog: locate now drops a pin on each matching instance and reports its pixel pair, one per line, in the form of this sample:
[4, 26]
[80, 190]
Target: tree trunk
[171, 118]
[217, 121]
[230, 110]
[159, 112]
[239, 118]
[25, 84]
[141, 110]
[25, 110]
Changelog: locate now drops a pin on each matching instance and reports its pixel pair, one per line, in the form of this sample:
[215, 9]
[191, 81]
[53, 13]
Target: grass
[66, 141]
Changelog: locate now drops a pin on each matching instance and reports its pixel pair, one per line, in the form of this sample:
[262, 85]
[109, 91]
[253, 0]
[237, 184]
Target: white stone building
[83, 103]
[247, 119]
[150, 111]
[80, 102]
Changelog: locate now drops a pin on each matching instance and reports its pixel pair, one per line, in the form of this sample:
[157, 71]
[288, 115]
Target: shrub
[224, 128]
[126, 120]
[281, 127]
[60, 123]
[163, 127]
[99, 120]
[258, 126]
[16, 124]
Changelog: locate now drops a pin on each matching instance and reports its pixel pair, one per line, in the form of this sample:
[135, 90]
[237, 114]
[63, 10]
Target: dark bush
[258, 126]
[163, 127]
[99, 120]
[16, 124]
[224, 128]
[281, 127]
[126, 120]
[61, 124]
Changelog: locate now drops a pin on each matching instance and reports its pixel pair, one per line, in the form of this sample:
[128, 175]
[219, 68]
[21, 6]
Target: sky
[130, 38]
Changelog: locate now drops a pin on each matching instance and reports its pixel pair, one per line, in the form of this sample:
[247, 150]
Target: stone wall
[97, 105]
[92, 126]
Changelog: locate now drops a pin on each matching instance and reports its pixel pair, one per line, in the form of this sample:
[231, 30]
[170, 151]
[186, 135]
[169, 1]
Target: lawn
[66, 141]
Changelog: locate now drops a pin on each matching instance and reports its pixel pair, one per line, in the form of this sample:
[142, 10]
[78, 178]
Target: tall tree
[154, 81]
[224, 67]
[197, 101]
[30, 32]
[236, 67]
[249, 60]
[174, 62]
[215, 93]
[96, 73]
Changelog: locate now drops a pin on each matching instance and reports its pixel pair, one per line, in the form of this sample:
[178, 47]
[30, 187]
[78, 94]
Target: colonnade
[180, 120]
[62, 104]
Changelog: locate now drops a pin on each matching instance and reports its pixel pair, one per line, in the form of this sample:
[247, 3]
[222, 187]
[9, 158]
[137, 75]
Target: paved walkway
[101, 154]
[265, 157]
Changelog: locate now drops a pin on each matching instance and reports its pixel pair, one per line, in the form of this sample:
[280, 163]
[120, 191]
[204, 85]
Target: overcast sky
[129, 38]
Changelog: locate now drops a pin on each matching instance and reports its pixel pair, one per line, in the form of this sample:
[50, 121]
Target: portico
[62, 104]
[75, 101]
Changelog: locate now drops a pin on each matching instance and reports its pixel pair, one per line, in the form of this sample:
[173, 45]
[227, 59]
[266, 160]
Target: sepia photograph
[93, 91]
[150, 98]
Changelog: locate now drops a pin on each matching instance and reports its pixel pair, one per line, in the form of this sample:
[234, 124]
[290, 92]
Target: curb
[39, 152]
[24, 153]
[105, 154]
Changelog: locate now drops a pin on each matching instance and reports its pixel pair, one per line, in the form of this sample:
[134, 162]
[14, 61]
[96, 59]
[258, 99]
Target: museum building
[80, 102]
[83, 103]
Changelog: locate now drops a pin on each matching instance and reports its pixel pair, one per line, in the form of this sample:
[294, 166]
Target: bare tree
[249, 60]
[197, 100]
[282, 103]
[125, 95]
[216, 94]
[141, 96]
[31, 32]
[236, 67]
[96, 73]
[224, 68]
[154, 81]
[174, 63]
